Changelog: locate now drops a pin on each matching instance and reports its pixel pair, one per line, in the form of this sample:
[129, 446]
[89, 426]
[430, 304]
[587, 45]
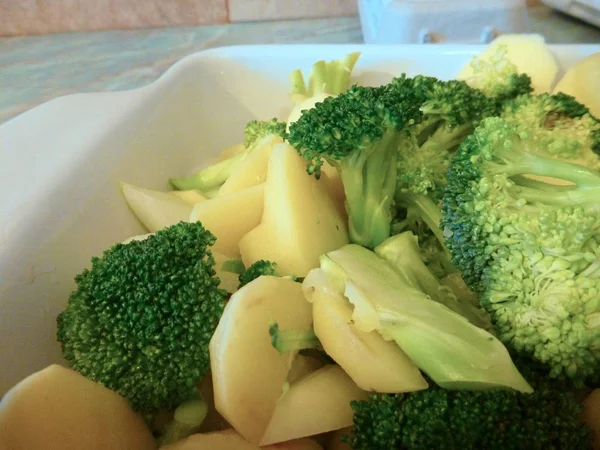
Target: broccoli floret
[358, 132]
[497, 77]
[327, 77]
[256, 135]
[562, 126]
[257, 269]
[443, 419]
[140, 319]
[455, 353]
[287, 340]
[529, 249]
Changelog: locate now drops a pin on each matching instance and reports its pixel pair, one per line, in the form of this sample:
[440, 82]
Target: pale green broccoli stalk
[326, 77]
[210, 179]
[187, 420]
[403, 253]
[285, 341]
[529, 249]
[447, 347]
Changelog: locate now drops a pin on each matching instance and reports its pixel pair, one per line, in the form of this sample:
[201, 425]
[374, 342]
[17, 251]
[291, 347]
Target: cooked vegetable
[187, 420]
[154, 209]
[315, 404]
[373, 363]
[231, 216]
[191, 196]
[447, 347]
[472, 420]
[285, 341]
[257, 135]
[257, 269]
[59, 409]
[140, 319]
[504, 67]
[528, 248]
[581, 81]
[300, 220]
[248, 373]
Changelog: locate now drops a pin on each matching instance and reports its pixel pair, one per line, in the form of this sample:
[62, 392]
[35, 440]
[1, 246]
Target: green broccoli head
[359, 132]
[256, 135]
[563, 126]
[472, 420]
[257, 269]
[528, 248]
[140, 319]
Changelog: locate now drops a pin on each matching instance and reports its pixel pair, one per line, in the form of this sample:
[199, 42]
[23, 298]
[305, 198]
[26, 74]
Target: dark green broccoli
[530, 249]
[256, 135]
[359, 132]
[287, 340]
[436, 418]
[257, 269]
[140, 319]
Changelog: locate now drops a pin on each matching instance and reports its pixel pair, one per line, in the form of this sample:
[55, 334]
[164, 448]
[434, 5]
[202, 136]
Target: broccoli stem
[565, 198]
[289, 340]
[211, 177]
[187, 420]
[297, 82]
[369, 179]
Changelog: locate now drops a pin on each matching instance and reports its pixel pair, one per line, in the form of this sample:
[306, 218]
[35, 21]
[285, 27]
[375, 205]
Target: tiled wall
[22, 17]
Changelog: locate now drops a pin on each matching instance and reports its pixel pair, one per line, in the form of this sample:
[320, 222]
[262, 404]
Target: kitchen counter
[35, 69]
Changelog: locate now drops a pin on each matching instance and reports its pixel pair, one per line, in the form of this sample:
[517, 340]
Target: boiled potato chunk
[581, 82]
[296, 444]
[529, 53]
[230, 217]
[253, 169]
[230, 152]
[59, 409]
[191, 196]
[373, 363]
[248, 373]
[300, 220]
[335, 441]
[229, 280]
[591, 415]
[156, 210]
[317, 403]
[302, 366]
[331, 176]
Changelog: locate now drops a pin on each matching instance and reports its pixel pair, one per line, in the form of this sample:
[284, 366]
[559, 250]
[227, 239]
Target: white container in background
[440, 21]
[587, 10]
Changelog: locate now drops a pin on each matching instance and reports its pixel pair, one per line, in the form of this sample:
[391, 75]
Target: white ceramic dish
[60, 164]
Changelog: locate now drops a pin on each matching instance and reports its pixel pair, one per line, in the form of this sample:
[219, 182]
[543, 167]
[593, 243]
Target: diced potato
[253, 169]
[297, 444]
[336, 189]
[300, 221]
[229, 280]
[529, 53]
[59, 409]
[218, 440]
[318, 403]
[373, 363]
[230, 217]
[591, 415]
[302, 366]
[248, 373]
[581, 82]
[230, 152]
[335, 440]
[155, 209]
[191, 196]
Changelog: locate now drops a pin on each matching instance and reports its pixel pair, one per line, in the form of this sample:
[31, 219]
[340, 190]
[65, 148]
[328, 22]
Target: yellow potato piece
[581, 82]
[302, 366]
[591, 415]
[335, 440]
[318, 403]
[191, 196]
[59, 409]
[332, 177]
[296, 444]
[529, 53]
[229, 280]
[300, 221]
[156, 210]
[248, 373]
[253, 169]
[373, 363]
[230, 217]
[230, 152]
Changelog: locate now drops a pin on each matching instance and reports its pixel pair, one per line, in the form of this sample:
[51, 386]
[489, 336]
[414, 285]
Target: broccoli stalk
[140, 319]
[359, 133]
[527, 247]
[285, 341]
[187, 420]
[257, 134]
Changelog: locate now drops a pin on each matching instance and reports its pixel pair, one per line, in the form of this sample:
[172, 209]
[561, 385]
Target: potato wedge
[335, 441]
[253, 169]
[229, 280]
[300, 221]
[581, 82]
[59, 409]
[297, 416]
[248, 373]
[191, 196]
[156, 210]
[230, 152]
[230, 217]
